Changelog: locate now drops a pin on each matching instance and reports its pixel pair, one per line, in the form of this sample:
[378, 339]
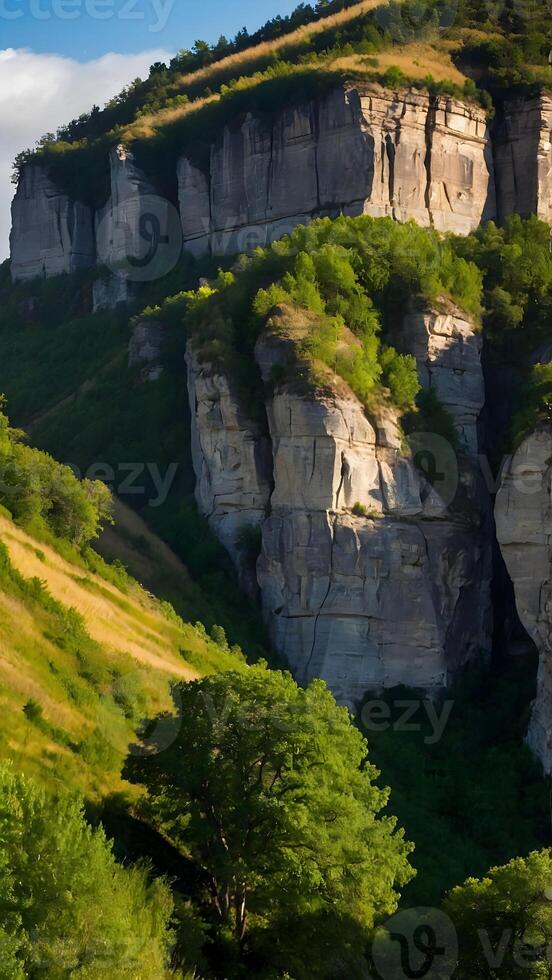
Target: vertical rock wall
[524, 528]
[367, 578]
[50, 233]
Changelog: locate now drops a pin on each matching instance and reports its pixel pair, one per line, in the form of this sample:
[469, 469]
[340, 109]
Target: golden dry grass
[124, 625]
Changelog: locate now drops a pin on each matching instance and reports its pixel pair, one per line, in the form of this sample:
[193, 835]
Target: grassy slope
[93, 688]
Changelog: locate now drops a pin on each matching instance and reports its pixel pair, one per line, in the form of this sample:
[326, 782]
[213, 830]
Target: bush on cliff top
[358, 276]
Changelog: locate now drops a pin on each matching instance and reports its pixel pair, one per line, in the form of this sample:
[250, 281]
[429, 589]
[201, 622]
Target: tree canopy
[268, 789]
[67, 909]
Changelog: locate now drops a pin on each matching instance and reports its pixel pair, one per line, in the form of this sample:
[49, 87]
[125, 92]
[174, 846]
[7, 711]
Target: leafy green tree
[34, 485]
[504, 921]
[269, 790]
[67, 909]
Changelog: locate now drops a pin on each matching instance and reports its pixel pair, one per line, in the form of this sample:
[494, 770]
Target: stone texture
[109, 292]
[448, 353]
[118, 223]
[50, 233]
[369, 151]
[145, 348]
[366, 578]
[523, 158]
[231, 458]
[524, 528]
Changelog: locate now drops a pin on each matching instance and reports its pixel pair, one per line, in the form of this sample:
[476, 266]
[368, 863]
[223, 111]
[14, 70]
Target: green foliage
[453, 770]
[510, 908]
[536, 402]
[67, 908]
[268, 789]
[516, 263]
[34, 486]
[356, 276]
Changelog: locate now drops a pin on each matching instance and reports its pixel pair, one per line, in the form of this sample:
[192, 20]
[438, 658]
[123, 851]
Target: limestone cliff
[356, 151]
[523, 519]
[50, 233]
[367, 578]
[523, 158]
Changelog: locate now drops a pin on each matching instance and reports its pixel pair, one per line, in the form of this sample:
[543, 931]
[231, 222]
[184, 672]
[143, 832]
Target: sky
[60, 57]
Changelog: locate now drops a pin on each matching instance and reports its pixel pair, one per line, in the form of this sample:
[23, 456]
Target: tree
[269, 790]
[67, 909]
[504, 920]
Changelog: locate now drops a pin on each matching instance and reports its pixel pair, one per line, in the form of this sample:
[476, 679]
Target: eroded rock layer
[402, 154]
[524, 528]
[51, 234]
[367, 577]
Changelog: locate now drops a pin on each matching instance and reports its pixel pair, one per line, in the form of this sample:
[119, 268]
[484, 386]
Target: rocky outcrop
[523, 519]
[523, 158]
[448, 354]
[118, 225]
[367, 578]
[358, 150]
[109, 292]
[230, 455]
[371, 151]
[145, 349]
[51, 234]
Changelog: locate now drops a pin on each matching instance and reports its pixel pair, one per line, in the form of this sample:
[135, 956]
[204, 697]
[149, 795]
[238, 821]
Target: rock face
[118, 230]
[523, 158]
[367, 579]
[145, 348]
[231, 457]
[448, 353]
[377, 152]
[50, 233]
[523, 518]
[364, 150]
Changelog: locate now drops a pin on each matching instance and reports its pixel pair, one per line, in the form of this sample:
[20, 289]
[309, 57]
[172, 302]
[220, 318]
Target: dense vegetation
[34, 487]
[355, 275]
[66, 908]
[268, 789]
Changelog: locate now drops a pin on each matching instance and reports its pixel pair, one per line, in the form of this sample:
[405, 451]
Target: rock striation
[230, 454]
[370, 151]
[367, 578]
[523, 520]
[448, 354]
[357, 150]
[50, 233]
[523, 158]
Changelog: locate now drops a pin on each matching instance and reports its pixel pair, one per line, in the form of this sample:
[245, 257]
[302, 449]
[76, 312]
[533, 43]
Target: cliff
[50, 233]
[367, 577]
[523, 514]
[523, 158]
[358, 150]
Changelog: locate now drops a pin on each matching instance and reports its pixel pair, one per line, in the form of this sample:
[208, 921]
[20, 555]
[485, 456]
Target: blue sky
[60, 57]
[87, 29]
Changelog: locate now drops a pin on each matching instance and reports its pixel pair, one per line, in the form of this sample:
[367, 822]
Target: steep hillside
[85, 658]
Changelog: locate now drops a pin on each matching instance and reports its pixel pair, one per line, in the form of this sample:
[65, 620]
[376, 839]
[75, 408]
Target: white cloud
[39, 92]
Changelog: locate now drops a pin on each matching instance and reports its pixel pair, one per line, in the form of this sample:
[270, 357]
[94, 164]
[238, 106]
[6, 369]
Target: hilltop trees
[269, 790]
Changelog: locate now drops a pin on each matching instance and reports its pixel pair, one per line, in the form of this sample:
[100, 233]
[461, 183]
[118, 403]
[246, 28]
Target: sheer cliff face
[50, 234]
[523, 515]
[406, 155]
[523, 158]
[393, 591]
[356, 151]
